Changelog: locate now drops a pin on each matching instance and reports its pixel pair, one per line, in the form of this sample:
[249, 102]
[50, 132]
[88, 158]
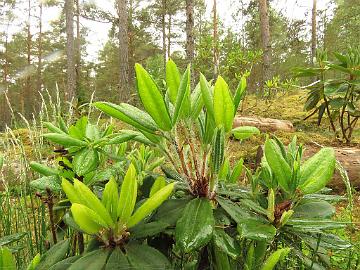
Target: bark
[39, 67]
[169, 36]
[190, 30]
[163, 26]
[215, 45]
[264, 124]
[265, 40]
[131, 53]
[70, 51]
[27, 97]
[124, 91]
[313, 32]
[78, 55]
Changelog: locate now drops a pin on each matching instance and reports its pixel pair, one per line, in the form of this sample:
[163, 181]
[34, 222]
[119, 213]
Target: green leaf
[148, 229]
[117, 261]
[55, 254]
[150, 204]
[197, 102]
[226, 243]
[47, 182]
[71, 192]
[34, 262]
[110, 198]
[278, 164]
[182, 105]
[86, 161]
[239, 94]
[172, 80]
[274, 258]
[236, 173]
[223, 105]
[8, 239]
[170, 211]
[317, 171]
[87, 219]
[245, 132]
[64, 264]
[7, 261]
[128, 114]
[53, 128]
[314, 209]
[1, 162]
[158, 184]
[195, 228]
[121, 138]
[206, 95]
[256, 230]
[145, 257]
[94, 260]
[152, 99]
[218, 148]
[43, 169]
[89, 199]
[64, 139]
[128, 195]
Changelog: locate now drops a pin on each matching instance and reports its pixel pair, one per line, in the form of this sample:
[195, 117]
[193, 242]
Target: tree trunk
[215, 45]
[27, 97]
[189, 30]
[163, 25]
[124, 91]
[70, 51]
[39, 67]
[313, 32]
[265, 40]
[131, 53]
[79, 93]
[169, 37]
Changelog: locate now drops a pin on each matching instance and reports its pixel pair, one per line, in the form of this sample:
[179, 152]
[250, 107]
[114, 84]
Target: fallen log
[264, 124]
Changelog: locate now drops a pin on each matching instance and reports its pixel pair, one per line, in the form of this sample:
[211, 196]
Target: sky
[97, 36]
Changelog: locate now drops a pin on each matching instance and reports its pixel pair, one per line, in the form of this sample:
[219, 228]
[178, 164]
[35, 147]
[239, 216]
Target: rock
[264, 124]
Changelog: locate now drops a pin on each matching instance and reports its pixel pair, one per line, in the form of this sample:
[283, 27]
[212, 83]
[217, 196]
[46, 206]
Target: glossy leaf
[64, 139]
[87, 219]
[110, 198]
[172, 80]
[245, 132]
[182, 105]
[237, 170]
[170, 211]
[256, 230]
[55, 254]
[94, 260]
[226, 243]
[195, 228]
[71, 192]
[85, 161]
[47, 182]
[206, 95]
[223, 105]
[274, 258]
[150, 204]
[7, 261]
[117, 261]
[314, 209]
[43, 169]
[239, 94]
[64, 264]
[152, 99]
[158, 184]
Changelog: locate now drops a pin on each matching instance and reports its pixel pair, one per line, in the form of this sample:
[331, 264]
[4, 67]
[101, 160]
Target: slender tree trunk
[39, 67]
[215, 45]
[169, 37]
[124, 91]
[27, 97]
[78, 88]
[265, 40]
[163, 25]
[313, 32]
[131, 53]
[190, 30]
[70, 50]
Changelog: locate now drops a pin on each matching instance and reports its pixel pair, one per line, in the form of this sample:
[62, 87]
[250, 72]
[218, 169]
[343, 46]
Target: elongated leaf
[117, 261]
[55, 254]
[121, 138]
[206, 95]
[64, 139]
[53, 128]
[87, 219]
[91, 201]
[148, 229]
[239, 94]
[128, 195]
[152, 99]
[223, 105]
[128, 114]
[47, 182]
[256, 230]
[226, 243]
[274, 258]
[86, 161]
[278, 164]
[7, 261]
[145, 257]
[218, 148]
[43, 169]
[195, 228]
[71, 192]
[172, 80]
[317, 171]
[8, 239]
[245, 132]
[94, 260]
[314, 209]
[182, 105]
[110, 198]
[170, 211]
[197, 102]
[151, 204]
[64, 264]
[236, 173]
[158, 184]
